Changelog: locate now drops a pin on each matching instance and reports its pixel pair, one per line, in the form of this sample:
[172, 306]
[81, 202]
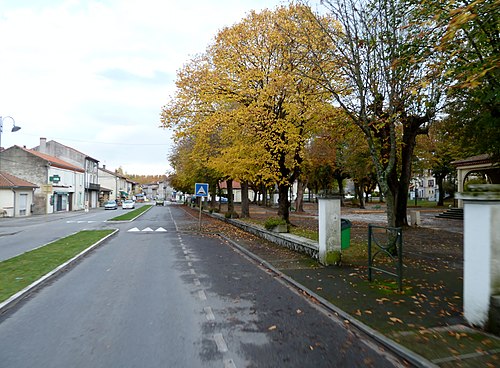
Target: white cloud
[94, 74]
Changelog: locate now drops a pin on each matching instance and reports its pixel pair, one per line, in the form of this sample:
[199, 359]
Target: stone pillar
[481, 251]
[329, 231]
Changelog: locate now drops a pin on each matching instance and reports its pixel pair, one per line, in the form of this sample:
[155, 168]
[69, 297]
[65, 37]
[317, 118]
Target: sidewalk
[426, 317]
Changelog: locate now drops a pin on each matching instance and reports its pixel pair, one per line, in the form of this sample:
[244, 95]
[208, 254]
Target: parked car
[128, 204]
[160, 202]
[111, 205]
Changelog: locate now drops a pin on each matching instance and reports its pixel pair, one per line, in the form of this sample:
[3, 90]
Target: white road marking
[209, 314]
[134, 229]
[202, 295]
[190, 264]
[228, 363]
[221, 344]
[197, 282]
[161, 229]
[147, 229]
[192, 271]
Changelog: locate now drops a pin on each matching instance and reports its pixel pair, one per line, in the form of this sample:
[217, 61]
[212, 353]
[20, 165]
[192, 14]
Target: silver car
[111, 205]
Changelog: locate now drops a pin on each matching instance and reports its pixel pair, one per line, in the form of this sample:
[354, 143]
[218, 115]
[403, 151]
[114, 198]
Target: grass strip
[132, 214]
[18, 272]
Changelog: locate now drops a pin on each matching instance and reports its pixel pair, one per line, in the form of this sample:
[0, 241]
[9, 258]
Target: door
[23, 204]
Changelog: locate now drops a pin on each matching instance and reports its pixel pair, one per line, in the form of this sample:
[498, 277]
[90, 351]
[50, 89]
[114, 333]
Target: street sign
[201, 189]
[55, 179]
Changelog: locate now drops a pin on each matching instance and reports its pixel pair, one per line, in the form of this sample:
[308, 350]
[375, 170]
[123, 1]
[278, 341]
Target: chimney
[43, 145]
[104, 167]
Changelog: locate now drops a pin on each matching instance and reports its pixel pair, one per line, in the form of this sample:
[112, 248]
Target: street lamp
[15, 127]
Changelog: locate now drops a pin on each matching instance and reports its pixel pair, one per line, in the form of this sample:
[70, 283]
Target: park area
[425, 317]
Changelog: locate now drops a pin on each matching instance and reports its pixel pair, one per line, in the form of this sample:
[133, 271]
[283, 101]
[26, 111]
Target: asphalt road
[21, 234]
[159, 294]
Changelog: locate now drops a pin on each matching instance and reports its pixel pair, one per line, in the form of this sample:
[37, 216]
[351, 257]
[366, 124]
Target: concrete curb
[408, 355]
[124, 221]
[14, 299]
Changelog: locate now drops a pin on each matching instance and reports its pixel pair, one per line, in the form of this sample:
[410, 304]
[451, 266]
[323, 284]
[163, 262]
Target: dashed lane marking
[81, 222]
[209, 314]
[228, 363]
[221, 344]
[202, 295]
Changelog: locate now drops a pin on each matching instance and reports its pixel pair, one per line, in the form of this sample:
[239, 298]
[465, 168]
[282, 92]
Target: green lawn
[130, 215]
[18, 272]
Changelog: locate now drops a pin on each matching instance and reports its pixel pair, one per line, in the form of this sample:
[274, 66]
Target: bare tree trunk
[230, 203]
[359, 193]
[439, 184]
[299, 201]
[245, 204]
[283, 202]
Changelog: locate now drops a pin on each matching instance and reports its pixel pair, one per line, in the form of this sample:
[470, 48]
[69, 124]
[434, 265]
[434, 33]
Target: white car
[128, 204]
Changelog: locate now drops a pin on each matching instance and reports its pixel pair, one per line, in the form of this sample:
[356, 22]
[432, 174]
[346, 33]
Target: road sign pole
[200, 191]
[201, 205]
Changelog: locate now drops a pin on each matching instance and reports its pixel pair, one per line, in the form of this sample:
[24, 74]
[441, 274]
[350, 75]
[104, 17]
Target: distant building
[425, 186]
[158, 190]
[115, 185]
[77, 158]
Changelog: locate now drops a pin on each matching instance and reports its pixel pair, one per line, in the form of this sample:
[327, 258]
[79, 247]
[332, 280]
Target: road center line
[221, 344]
[202, 295]
[192, 271]
[228, 363]
[209, 314]
[196, 282]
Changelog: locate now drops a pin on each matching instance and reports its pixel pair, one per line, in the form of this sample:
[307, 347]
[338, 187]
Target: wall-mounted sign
[55, 179]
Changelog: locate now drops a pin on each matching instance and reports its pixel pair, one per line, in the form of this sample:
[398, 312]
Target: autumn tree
[245, 92]
[386, 93]
[466, 36]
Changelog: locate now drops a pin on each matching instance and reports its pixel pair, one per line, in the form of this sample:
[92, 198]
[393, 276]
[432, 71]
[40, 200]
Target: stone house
[60, 183]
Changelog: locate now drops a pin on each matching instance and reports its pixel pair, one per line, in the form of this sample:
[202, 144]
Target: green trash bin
[345, 234]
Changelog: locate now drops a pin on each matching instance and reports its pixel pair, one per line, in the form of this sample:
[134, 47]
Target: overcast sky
[93, 75]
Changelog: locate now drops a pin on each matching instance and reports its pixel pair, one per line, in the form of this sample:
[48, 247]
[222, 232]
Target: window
[431, 183]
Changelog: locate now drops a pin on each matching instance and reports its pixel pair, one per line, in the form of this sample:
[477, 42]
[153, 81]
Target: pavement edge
[14, 299]
[408, 355]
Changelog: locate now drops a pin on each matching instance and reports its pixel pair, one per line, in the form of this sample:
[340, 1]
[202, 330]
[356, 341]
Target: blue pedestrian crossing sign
[201, 189]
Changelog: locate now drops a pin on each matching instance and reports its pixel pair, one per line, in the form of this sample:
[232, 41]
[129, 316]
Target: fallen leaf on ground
[394, 319]
[272, 328]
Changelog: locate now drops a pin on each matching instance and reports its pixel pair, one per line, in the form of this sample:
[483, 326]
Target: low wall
[290, 241]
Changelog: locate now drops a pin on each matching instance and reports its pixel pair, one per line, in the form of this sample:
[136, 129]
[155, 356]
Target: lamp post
[15, 127]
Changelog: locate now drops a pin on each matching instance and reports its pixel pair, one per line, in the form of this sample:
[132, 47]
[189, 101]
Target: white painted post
[415, 218]
[329, 231]
[481, 251]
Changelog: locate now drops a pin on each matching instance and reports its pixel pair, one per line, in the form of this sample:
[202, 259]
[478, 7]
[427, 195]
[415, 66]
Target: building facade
[16, 196]
[60, 184]
[114, 185]
[77, 158]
